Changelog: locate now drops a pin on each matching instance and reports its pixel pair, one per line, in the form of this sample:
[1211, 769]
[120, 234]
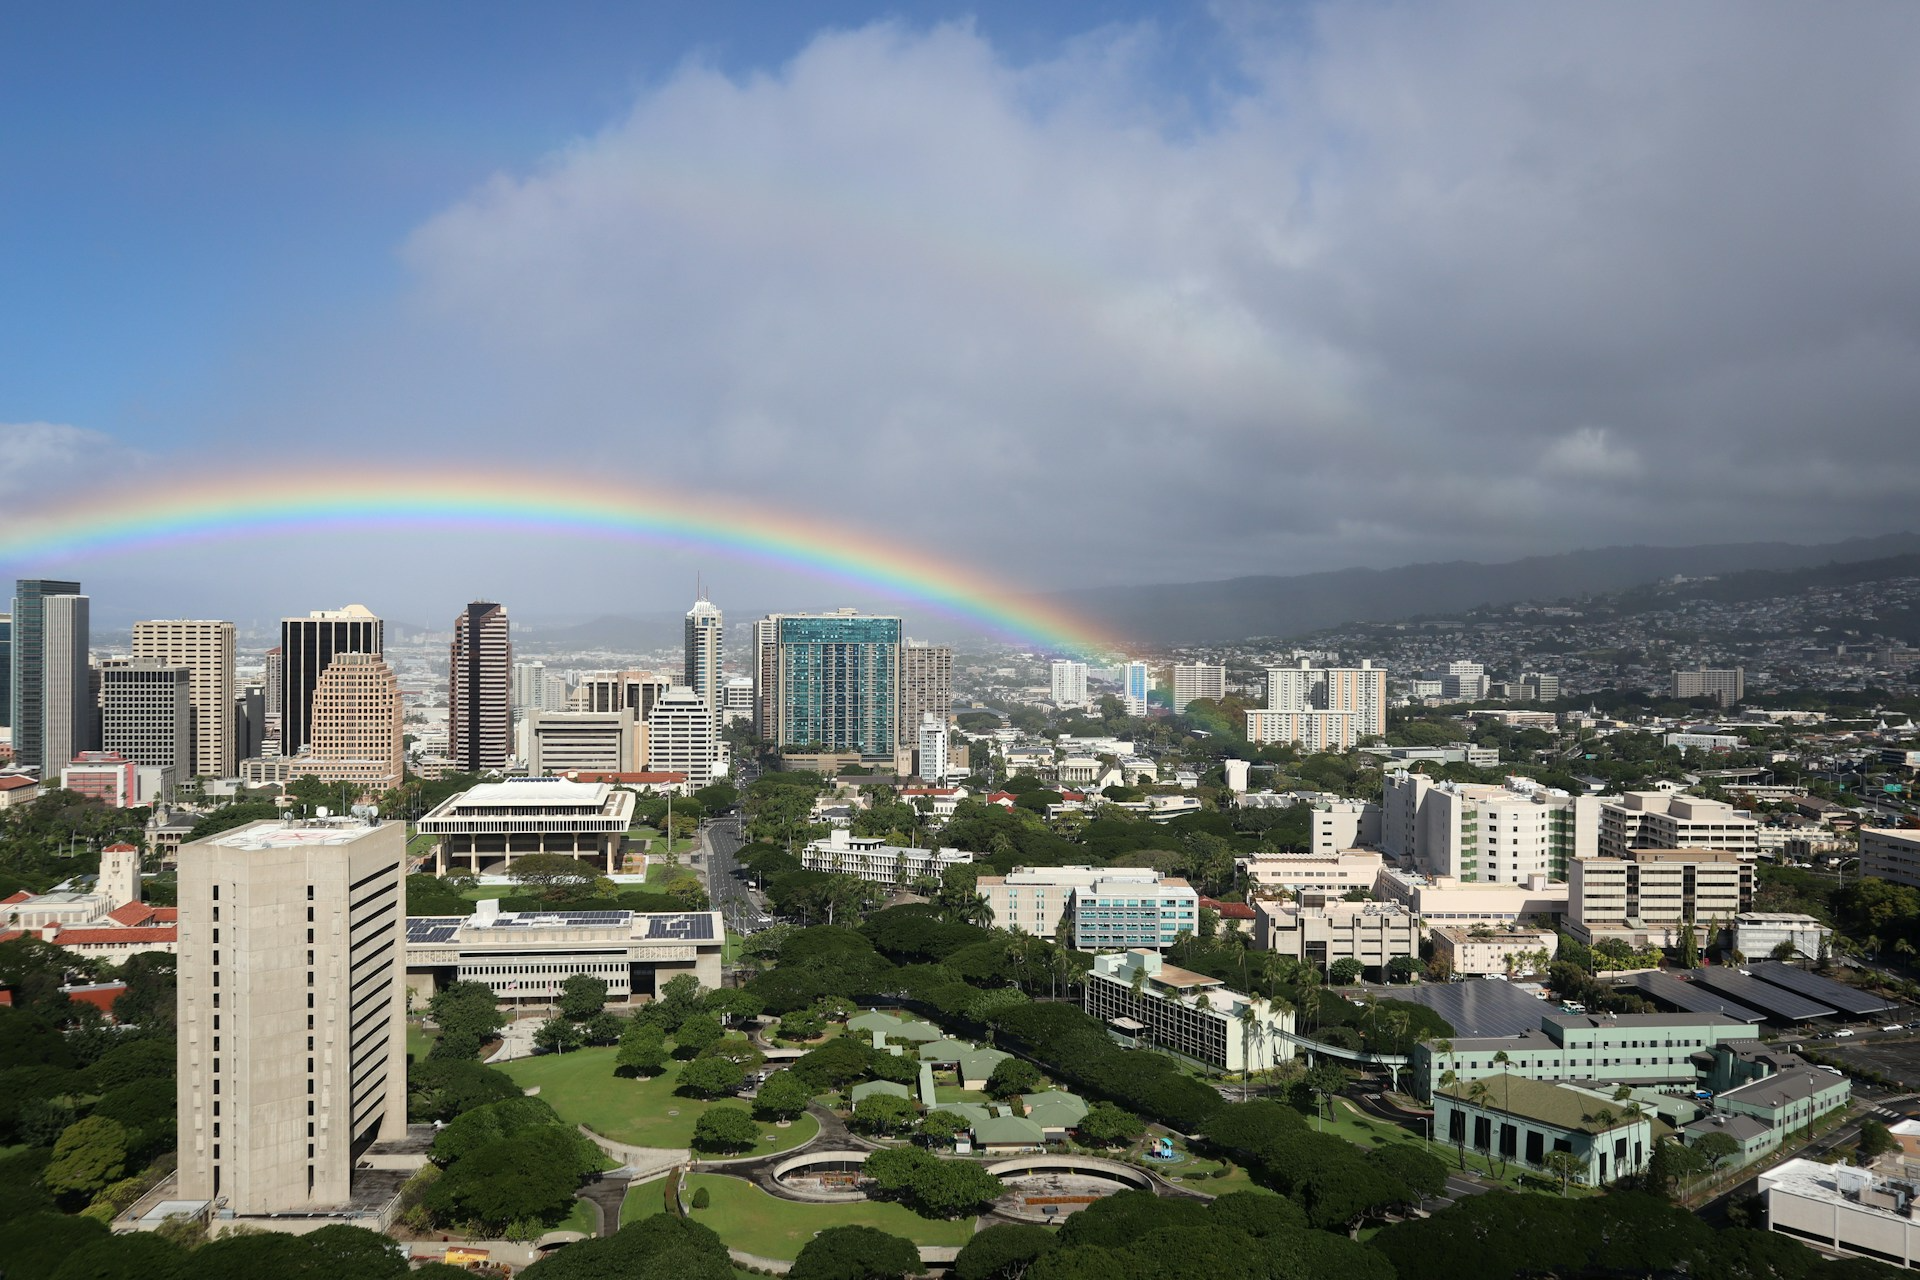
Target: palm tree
[1478, 1093]
[1309, 982]
[1249, 1023]
[1448, 1082]
[1501, 1060]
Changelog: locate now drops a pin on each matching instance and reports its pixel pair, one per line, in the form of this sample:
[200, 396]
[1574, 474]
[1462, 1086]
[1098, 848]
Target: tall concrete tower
[706, 635]
[479, 689]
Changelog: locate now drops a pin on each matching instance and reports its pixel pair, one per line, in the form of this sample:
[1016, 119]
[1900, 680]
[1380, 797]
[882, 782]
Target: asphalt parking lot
[1895, 1057]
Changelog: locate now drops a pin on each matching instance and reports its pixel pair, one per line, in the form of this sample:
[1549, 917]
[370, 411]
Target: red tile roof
[10, 934]
[1229, 910]
[6, 997]
[132, 915]
[100, 995]
[122, 847]
[20, 895]
[15, 782]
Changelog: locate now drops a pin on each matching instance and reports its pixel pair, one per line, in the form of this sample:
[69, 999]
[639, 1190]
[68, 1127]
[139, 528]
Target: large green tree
[856, 1253]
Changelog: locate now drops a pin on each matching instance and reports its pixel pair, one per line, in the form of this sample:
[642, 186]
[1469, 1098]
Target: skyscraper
[1069, 684]
[307, 645]
[837, 682]
[68, 712]
[146, 714]
[357, 723]
[1193, 680]
[1138, 682]
[204, 648]
[926, 686]
[766, 675]
[6, 670]
[292, 1011]
[680, 736]
[274, 687]
[479, 676]
[706, 637]
[27, 678]
[1322, 708]
[932, 766]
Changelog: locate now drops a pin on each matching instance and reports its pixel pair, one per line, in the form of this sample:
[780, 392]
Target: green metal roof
[1543, 1102]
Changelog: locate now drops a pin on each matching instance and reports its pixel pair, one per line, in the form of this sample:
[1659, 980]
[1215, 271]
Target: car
[1893, 1026]
[1832, 1071]
[1842, 1035]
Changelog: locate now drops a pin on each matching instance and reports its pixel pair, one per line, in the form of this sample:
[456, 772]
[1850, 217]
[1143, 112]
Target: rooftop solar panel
[1478, 1007]
[1815, 986]
[686, 928]
[1776, 1002]
[1691, 997]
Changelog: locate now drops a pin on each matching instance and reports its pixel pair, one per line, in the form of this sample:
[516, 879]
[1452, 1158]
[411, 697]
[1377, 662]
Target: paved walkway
[516, 1040]
[606, 1196]
[638, 1163]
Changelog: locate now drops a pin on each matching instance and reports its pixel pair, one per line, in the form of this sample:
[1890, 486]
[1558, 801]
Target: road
[727, 886]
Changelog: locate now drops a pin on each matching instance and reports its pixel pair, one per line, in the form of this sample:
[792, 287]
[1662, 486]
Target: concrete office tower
[479, 675]
[1464, 680]
[933, 748]
[1069, 684]
[1321, 709]
[1196, 680]
[274, 686]
[680, 736]
[706, 638]
[307, 645]
[926, 686]
[559, 742]
[1726, 686]
[766, 675]
[291, 1052]
[6, 671]
[1137, 682]
[69, 710]
[205, 648]
[634, 691]
[837, 683]
[357, 720]
[26, 684]
[146, 714]
[1541, 687]
[739, 700]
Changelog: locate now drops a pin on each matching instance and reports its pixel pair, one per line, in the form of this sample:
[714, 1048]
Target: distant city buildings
[146, 714]
[307, 646]
[479, 689]
[926, 687]
[27, 692]
[1323, 708]
[1136, 684]
[1069, 685]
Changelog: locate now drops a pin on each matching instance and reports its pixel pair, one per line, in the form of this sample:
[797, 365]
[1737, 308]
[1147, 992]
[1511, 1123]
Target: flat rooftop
[535, 791]
[292, 835]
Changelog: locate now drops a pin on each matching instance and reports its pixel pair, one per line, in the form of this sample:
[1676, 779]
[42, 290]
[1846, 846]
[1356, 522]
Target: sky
[1074, 294]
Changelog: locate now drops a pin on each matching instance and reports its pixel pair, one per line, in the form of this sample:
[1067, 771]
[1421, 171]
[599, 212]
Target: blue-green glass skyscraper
[838, 682]
[26, 678]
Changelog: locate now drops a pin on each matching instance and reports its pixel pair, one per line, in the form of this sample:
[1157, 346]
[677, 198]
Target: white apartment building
[292, 1012]
[1321, 708]
[556, 742]
[1890, 853]
[1069, 684]
[1500, 834]
[1192, 680]
[681, 738]
[930, 761]
[1106, 908]
[1188, 1013]
[871, 858]
[1726, 685]
[1659, 820]
[537, 689]
[206, 649]
[1649, 895]
[1321, 931]
[739, 694]
[1136, 684]
[1472, 953]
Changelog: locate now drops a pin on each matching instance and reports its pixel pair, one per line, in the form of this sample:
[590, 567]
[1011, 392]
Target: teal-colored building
[1509, 1117]
[1628, 1048]
[838, 682]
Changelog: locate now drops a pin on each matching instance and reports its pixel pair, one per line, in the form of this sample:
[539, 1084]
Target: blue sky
[1090, 294]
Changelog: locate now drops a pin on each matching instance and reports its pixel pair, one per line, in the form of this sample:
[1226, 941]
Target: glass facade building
[838, 682]
[26, 678]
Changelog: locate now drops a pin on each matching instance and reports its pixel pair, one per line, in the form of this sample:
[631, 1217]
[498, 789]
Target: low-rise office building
[1756, 935]
[525, 956]
[1472, 953]
[1627, 1048]
[871, 858]
[1891, 854]
[1843, 1210]
[1648, 896]
[490, 825]
[1106, 908]
[1524, 1121]
[1789, 1099]
[1447, 900]
[1188, 1013]
[1333, 874]
[1321, 932]
[560, 742]
[1664, 820]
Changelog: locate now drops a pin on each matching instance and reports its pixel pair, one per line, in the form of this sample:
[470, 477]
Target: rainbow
[156, 514]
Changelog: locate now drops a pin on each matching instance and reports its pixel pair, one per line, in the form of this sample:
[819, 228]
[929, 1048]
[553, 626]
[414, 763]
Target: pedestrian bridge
[1393, 1062]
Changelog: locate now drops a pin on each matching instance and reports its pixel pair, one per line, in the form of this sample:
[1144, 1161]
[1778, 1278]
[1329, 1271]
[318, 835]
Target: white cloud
[39, 457]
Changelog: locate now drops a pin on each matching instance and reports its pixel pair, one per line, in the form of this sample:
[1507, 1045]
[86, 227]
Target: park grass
[579, 1218]
[582, 1088]
[659, 875]
[730, 948]
[681, 844]
[750, 1219]
[645, 1199]
[419, 1040]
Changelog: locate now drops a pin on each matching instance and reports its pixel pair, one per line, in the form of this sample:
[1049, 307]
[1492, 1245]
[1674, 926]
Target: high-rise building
[559, 742]
[69, 708]
[1657, 820]
[1464, 680]
[1726, 685]
[6, 671]
[1512, 834]
[739, 700]
[1069, 684]
[766, 676]
[26, 684]
[146, 713]
[837, 683]
[291, 1054]
[307, 646]
[1650, 895]
[932, 765]
[249, 723]
[1541, 687]
[1195, 680]
[357, 724]
[537, 689]
[479, 673]
[634, 691]
[1137, 682]
[926, 686]
[205, 648]
[1322, 708]
[706, 637]
[680, 736]
[274, 684]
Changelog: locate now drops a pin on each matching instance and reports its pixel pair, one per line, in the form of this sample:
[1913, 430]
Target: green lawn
[644, 1199]
[581, 1086]
[659, 875]
[419, 1040]
[730, 949]
[419, 845]
[748, 1218]
[954, 1093]
[681, 844]
[579, 1218]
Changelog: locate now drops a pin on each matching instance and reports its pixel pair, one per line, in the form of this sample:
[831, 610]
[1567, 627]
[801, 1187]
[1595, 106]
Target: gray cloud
[1479, 280]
